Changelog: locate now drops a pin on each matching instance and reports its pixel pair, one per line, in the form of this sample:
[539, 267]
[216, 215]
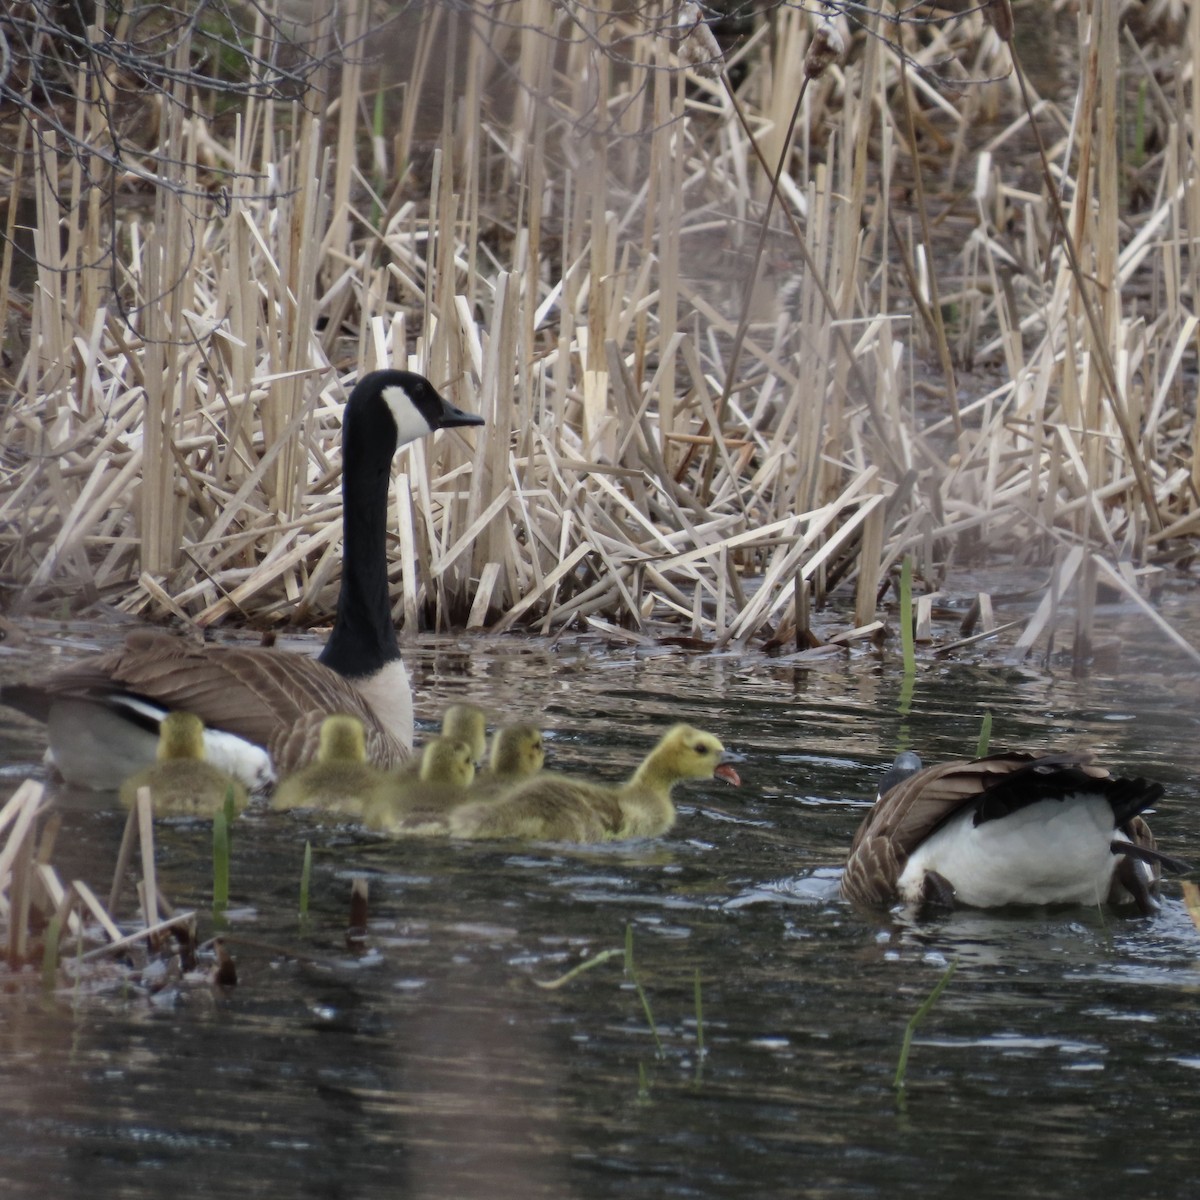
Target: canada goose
[102, 713]
[517, 753]
[559, 808]
[1011, 828]
[418, 804]
[181, 783]
[340, 780]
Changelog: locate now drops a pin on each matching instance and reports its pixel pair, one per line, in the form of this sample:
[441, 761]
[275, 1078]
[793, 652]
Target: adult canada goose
[404, 803]
[1011, 828]
[340, 780]
[559, 808]
[103, 713]
[181, 783]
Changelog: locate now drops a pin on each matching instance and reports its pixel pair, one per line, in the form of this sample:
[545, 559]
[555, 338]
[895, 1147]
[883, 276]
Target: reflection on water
[1061, 1060]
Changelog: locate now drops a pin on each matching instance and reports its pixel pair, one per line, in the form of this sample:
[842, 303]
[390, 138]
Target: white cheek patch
[410, 424]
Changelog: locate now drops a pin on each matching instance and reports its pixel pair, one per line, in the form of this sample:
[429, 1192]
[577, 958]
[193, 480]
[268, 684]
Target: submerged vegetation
[959, 328]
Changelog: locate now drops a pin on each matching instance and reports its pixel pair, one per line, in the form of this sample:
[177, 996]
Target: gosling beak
[724, 768]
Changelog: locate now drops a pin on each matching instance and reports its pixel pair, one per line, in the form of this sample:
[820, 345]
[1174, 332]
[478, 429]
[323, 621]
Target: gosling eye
[701, 748]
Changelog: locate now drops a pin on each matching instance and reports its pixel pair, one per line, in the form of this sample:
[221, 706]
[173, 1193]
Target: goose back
[979, 792]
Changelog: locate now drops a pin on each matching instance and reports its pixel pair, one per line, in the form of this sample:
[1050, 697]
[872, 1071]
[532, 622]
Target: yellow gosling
[559, 808]
[341, 779]
[466, 723]
[517, 754]
[402, 804]
[181, 783]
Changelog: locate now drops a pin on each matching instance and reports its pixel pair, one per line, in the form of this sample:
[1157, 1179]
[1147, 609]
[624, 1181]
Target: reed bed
[67, 928]
[708, 403]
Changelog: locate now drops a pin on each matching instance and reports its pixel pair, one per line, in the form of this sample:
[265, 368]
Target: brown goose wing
[273, 698]
[915, 808]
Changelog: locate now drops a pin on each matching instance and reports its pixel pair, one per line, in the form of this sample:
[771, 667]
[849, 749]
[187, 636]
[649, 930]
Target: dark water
[1062, 1060]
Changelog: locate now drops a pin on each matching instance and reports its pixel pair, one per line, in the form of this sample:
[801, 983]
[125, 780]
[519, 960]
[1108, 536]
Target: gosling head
[467, 723]
[342, 740]
[518, 750]
[445, 760]
[181, 735]
[693, 754]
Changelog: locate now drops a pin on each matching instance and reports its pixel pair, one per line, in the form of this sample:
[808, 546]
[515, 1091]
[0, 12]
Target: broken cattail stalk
[356, 930]
[827, 47]
[697, 47]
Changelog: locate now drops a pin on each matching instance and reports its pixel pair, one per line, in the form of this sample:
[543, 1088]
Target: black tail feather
[1168, 862]
[1046, 780]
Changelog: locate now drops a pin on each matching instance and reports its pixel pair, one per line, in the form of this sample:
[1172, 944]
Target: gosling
[401, 804]
[563, 809]
[518, 753]
[466, 723]
[340, 780]
[181, 782]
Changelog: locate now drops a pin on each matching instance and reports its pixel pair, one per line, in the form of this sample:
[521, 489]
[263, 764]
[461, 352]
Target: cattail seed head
[697, 47]
[999, 15]
[827, 46]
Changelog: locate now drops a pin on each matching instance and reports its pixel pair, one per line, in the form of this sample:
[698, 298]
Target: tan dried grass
[578, 262]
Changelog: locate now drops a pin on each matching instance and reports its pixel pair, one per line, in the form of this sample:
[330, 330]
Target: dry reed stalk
[549, 269]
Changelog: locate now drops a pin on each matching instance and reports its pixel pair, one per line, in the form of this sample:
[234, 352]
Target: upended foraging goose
[340, 780]
[558, 808]
[264, 707]
[181, 783]
[1012, 828]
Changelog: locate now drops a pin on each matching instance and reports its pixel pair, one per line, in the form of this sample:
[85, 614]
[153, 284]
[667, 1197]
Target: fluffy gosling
[560, 808]
[518, 753]
[403, 804]
[340, 780]
[181, 783]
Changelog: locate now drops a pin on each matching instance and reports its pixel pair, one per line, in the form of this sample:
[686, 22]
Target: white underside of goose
[1052, 852]
[99, 745]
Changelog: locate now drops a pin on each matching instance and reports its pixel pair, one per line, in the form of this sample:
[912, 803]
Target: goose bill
[451, 416]
[726, 772]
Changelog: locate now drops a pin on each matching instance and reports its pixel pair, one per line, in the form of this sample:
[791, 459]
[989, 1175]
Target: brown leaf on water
[1191, 898]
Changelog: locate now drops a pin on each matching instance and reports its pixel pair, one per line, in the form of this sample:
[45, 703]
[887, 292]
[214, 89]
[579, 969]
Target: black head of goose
[263, 708]
[1009, 829]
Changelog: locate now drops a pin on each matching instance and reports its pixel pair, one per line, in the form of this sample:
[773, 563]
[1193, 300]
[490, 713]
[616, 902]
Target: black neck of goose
[363, 638]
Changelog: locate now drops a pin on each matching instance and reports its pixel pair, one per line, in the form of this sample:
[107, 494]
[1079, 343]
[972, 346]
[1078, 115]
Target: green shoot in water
[643, 1084]
[220, 867]
[985, 736]
[911, 1028]
[907, 642]
[230, 811]
[637, 983]
[50, 954]
[305, 880]
[587, 965]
